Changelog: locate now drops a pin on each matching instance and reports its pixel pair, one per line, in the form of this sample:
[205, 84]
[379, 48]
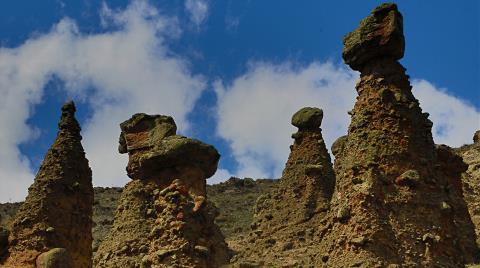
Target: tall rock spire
[394, 204]
[54, 223]
[287, 219]
[163, 218]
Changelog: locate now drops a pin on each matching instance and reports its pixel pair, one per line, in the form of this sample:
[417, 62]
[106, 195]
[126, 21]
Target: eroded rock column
[163, 218]
[286, 221]
[396, 204]
[53, 227]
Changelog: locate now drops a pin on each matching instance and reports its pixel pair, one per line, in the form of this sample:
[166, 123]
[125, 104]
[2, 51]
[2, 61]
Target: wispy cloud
[198, 11]
[130, 68]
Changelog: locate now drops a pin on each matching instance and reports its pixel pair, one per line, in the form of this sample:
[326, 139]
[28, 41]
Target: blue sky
[230, 72]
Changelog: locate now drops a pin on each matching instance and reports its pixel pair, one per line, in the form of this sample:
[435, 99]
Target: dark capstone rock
[476, 137]
[379, 35]
[175, 151]
[308, 118]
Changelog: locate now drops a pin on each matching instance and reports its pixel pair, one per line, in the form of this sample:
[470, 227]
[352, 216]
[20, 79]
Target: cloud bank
[129, 68]
[254, 111]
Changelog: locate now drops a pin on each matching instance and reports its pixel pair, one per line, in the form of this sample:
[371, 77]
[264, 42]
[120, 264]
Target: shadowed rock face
[396, 202]
[57, 212]
[471, 179]
[163, 218]
[288, 217]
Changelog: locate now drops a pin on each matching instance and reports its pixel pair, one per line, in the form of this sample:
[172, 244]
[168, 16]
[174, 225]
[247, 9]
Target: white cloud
[454, 120]
[254, 112]
[219, 176]
[198, 11]
[130, 68]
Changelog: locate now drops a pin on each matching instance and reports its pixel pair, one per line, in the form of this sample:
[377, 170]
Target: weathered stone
[390, 146]
[337, 146]
[144, 131]
[379, 35]
[301, 200]
[170, 152]
[153, 146]
[54, 258]
[470, 155]
[164, 207]
[57, 212]
[476, 136]
[308, 118]
[3, 242]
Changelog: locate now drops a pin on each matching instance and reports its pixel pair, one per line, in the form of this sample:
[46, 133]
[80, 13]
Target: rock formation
[53, 226]
[287, 219]
[396, 202]
[163, 218]
[471, 180]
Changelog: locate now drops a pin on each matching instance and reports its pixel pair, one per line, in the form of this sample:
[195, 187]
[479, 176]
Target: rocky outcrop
[57, 213]
[398, 199]
[471, 180]
[163, 218]
[287, 219]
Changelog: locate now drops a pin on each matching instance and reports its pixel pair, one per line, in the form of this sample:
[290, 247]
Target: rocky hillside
[234, 199]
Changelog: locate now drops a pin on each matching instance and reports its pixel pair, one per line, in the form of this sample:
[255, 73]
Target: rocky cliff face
[163, 218]
[53, 226]
[285, 219]
[471, 180]
[395, 204]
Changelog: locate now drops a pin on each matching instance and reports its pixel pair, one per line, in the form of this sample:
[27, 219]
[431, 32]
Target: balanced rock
[299, 204]
[308, 118]
[57, 212]
[379, 35]
[397, 202]
[163, 218]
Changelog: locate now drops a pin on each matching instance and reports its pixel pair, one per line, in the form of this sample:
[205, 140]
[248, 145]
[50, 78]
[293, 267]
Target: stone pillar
[54, 224]
[163, 218]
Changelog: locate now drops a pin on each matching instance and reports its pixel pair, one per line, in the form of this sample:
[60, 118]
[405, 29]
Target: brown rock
[54, 258]
[379, 35]
[476, 137]
[389, 173]
[308, 118]
[153, 146]
[470, 154]
[58, 209]
[163, 218]
[300, 202]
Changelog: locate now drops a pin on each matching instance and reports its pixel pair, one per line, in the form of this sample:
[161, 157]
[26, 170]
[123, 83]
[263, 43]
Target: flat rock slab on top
[379, 35]
[153, 145]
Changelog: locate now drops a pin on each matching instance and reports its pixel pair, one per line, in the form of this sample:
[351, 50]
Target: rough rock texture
[379, 35]
[163, 218]
[54, 258]
[286, 219]
[471, 180]
[396, 202]
[57, 212]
